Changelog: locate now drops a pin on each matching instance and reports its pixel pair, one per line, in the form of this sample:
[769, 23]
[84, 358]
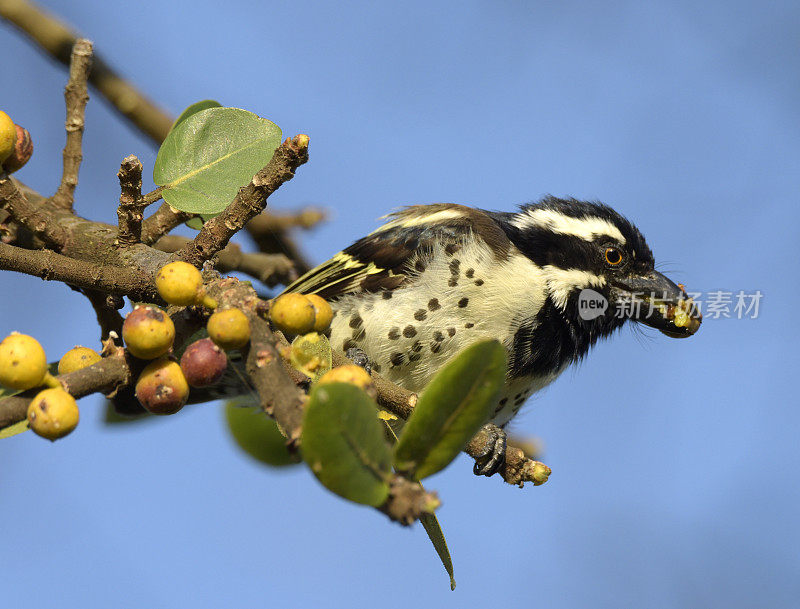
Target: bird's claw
[359, 358]
[494, 454]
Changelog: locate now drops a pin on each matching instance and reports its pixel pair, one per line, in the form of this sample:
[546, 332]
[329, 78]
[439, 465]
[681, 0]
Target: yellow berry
[53, 414]
[229, 329]
[76, 358]
[293, 314]
[322, 311]
[148, 332]
[179, 283]
[162, 388]
[23, 364]
[8, 136]
[349, 373]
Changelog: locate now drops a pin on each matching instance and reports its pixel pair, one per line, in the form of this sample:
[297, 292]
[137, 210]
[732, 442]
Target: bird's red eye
[613, 256]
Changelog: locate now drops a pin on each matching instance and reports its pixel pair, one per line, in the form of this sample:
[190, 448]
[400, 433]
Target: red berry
[203, 363]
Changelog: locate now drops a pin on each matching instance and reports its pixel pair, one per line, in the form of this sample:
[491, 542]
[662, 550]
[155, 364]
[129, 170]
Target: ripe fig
[22, 153]
[53, 413]
[162, 388]
[203, 363]
[23, 364]
[323, 312]
[293, 314]
[229, 329]
[76, 358]
[179, 283]
[148, 332]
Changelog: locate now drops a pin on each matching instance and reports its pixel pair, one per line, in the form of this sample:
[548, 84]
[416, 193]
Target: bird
[547, 280]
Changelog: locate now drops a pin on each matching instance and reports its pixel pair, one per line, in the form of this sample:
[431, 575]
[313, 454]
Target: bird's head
[598, 268]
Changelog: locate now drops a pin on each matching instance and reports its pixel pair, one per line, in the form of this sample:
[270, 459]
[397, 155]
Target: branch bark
[75, 96]
[79, 273]
[161, 222]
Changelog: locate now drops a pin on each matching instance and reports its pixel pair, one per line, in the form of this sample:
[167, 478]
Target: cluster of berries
[148, 332]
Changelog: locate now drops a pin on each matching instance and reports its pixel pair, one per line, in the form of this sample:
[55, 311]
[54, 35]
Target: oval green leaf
[13, 430]
[195, 108]
[210, 154]
[343, 443]
[258, 435]
[453, 407]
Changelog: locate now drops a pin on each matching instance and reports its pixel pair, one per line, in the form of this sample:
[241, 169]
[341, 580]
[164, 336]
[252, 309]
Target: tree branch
[37, 219]
[75, 95]
[105, 376]
[161, 222]
[88, 275]
[57, 40]
[249, 202]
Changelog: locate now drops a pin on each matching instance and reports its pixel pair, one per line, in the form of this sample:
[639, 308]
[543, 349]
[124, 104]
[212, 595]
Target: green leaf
[13, 430]
[258, 435]
[210, 154]
[194, 108]
[343, 443]
[435, 534]
[311, 355]
[451, 409]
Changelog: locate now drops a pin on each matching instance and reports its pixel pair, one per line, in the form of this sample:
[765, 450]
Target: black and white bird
[548, 281]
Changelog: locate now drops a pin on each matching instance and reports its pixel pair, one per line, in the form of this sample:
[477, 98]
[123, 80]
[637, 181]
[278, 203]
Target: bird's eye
[613, 256]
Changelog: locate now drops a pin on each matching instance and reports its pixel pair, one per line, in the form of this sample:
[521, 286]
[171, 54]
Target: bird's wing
[382, 259]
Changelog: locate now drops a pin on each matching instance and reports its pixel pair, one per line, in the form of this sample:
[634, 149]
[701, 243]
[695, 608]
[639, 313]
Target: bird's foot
[359, 358]
[494, 451]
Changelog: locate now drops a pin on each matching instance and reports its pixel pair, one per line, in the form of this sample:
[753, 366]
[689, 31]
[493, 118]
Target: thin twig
[131, 206]
[57, 40]
[76, 95]
[161, 222]
[270, 222]
[249, 202]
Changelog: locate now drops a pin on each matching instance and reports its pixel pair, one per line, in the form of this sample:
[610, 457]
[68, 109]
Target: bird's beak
[654, 300]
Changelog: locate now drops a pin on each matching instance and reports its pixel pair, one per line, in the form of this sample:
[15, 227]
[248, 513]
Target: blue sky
[674, 462]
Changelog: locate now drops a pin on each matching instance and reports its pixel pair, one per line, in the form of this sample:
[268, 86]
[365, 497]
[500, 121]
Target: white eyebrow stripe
[585, 228]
